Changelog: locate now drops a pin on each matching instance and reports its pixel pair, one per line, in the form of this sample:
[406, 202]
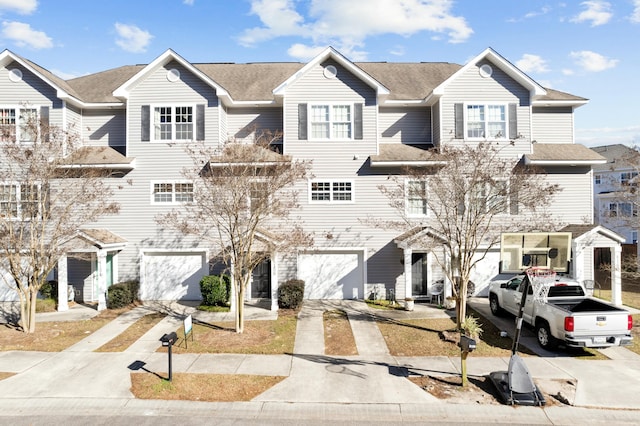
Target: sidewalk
[372, 385]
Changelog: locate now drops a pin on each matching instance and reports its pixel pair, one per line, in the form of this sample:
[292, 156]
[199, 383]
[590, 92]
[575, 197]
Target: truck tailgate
[600, 325]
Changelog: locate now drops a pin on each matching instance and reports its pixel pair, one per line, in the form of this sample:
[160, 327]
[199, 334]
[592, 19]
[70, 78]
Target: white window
[18, 124]
[628, 178]
[171, 192]
[622, 210]
[337, 191]
[173, 123]
[19, 201]
[416, 198]
[486, 121]
[491, 198]
[597, 179]
[331, 121]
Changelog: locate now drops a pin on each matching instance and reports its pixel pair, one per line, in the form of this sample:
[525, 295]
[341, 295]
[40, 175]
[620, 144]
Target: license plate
[599, 340]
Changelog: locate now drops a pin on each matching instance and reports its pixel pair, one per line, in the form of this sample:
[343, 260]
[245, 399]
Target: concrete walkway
[371, 385]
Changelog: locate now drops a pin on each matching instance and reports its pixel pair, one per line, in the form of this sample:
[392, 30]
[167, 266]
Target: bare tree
[470, 196]
[242, 204]
[44, 201]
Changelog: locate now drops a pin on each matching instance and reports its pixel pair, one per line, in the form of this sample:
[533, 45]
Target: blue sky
[587, 48]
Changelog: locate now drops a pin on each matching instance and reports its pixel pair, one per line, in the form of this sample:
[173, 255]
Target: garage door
[172, 276]
[335, 275]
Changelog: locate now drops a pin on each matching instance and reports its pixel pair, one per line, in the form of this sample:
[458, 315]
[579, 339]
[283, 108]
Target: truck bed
[584, 305]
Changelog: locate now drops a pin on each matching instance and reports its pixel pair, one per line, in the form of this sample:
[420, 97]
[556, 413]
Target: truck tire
[543, 334]
[494, 304]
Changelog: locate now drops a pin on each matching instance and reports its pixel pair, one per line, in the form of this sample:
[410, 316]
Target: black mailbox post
[168, 340]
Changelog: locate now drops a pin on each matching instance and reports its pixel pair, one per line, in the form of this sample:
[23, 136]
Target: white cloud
[303, 52]
[568, 71]
[131, 38]
[346, 24]
[23, 35]
[532, 63]
[188, 2]
[635, 16]
[592, 62]
[23, 7]
[597, 12]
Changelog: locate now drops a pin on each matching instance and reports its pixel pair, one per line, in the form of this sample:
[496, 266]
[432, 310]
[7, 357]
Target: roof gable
[168, 56]
[330, 52]
[507, 67]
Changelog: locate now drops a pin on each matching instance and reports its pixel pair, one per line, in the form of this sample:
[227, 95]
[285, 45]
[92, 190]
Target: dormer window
[173, 123]
[331, 121]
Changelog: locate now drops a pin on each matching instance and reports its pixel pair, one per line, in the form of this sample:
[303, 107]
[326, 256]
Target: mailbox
[467, 344]
[169, 339]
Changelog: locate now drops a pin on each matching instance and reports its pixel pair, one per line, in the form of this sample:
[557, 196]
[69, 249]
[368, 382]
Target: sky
[586, 48]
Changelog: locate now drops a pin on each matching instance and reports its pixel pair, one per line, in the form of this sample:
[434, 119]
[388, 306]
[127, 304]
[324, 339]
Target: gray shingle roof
[563, 152]
[256, 81]
[618, 157]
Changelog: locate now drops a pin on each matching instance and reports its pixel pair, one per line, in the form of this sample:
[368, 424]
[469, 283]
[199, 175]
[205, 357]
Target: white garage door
[172, 276]
[336, 275]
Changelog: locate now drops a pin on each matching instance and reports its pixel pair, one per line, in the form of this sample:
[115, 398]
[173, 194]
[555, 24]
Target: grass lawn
[338, 336]
[53, 336]
[132, 333]
[201, 387]
[259, 337]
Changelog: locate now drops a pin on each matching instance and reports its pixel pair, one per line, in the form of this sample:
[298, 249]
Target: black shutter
[302, 121]
[145, 123]
[513, 121]
[200, 122]
[459, 119]
[44, 123]
[357, 121]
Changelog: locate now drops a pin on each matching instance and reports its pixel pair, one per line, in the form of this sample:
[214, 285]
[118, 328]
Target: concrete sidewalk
[372, 383]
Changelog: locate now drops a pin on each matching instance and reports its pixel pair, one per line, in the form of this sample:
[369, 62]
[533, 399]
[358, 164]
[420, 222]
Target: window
[331, 122]
[172, 192]
[622, 210]
[416, 198]
[18, 124]
[173, 123]
[597, 179]
[628, 178]
[331, 191]
[19, 201]
[258, 196]
[486, 121]
[634, 237]
[491, 198]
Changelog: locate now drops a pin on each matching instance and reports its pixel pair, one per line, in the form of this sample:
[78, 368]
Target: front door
[261, 280]
[419, 274]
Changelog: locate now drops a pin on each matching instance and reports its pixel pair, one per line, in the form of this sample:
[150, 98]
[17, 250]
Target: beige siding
[552, 125]
[500, 88]
[435, 112]
[405, 125]
[572, 205]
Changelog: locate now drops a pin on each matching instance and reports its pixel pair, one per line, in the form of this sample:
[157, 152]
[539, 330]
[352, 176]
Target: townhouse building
[358, 122]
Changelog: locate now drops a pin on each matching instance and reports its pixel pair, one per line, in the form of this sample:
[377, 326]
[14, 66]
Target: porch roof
[396, 154]
[563, 154]
[579, 231]
[103, 157]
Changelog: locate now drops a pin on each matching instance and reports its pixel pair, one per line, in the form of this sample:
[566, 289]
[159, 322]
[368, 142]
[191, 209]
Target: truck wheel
[545, 339]
[495, 305]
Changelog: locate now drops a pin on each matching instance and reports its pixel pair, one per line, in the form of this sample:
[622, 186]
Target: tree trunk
[240, 308]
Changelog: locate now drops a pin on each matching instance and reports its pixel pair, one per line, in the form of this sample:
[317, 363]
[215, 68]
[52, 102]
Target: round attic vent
[15, 75]
[486, 70]
[173, 75]
[330, 71]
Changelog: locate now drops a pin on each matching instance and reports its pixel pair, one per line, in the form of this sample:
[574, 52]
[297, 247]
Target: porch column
[407, 273]
[102, 280]
[63, 304]
[274, 283]
[578, 262]
[616, 276]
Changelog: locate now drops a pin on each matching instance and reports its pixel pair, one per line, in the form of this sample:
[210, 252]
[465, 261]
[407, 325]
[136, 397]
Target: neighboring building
[614, 205]
[357, 122]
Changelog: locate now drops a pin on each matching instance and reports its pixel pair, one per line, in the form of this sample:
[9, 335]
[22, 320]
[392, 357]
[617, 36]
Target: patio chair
[436, 292]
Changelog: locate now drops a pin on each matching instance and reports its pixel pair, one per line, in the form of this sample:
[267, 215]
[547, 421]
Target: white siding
[242, 123]
[572, 205]
[104, 127]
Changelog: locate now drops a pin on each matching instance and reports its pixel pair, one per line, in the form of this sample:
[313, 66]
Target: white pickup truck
[568, 316]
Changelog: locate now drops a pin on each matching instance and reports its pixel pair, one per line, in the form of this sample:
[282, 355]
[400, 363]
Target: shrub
[215, 290]
[122, 294]
[290, 294]
[49, 290]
